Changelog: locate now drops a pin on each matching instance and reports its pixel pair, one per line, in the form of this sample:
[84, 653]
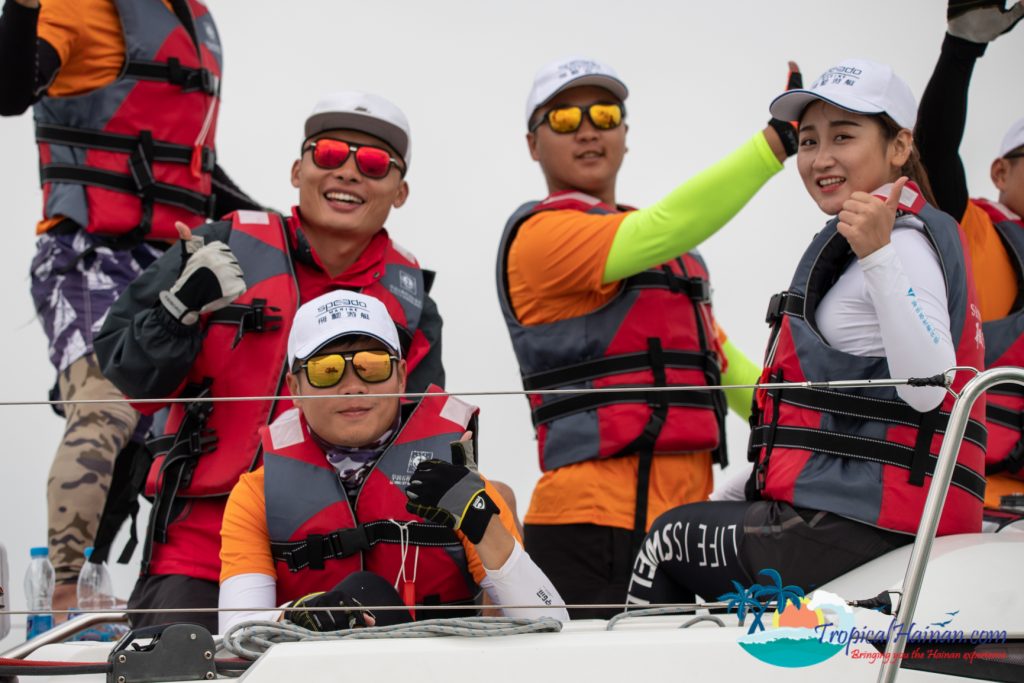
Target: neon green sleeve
[692, 212]
[740, 370]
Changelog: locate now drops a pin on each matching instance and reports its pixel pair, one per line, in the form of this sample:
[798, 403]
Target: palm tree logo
[754, 600]
[744, 601]
[781, 595]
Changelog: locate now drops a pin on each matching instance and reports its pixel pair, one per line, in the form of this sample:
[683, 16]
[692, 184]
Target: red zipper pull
[409, 596]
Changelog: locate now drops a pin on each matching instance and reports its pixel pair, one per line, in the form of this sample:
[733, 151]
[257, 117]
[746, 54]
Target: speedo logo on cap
[839, 75]
[341, 308]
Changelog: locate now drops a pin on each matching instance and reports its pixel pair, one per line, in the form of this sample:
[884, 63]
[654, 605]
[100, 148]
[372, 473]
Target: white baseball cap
[572, 72]
[338, 314]
[1013, 139]
[364, 112]
[857, 85]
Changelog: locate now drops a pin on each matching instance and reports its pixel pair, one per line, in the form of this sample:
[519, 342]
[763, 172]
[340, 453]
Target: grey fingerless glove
[210, 280]
[981, 21]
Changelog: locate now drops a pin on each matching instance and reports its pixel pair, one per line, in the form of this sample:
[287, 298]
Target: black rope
[933, 381]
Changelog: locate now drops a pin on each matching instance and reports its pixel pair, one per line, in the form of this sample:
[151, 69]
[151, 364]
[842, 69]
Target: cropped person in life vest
[364, 500]
[884, 290]
[994, 229]
[124, 94]
[183, 328]
[585, 286]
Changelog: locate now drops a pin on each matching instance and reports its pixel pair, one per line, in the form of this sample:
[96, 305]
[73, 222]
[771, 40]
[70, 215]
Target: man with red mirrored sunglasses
[597, 295]
[393, 510]
[211, 319]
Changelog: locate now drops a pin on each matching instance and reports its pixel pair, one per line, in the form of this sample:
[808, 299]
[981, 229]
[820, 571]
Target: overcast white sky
[700, 75]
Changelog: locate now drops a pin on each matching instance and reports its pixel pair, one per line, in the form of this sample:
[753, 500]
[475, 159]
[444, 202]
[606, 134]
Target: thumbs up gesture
[866, 221]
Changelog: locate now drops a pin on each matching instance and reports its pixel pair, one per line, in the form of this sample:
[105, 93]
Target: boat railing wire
[940, 380]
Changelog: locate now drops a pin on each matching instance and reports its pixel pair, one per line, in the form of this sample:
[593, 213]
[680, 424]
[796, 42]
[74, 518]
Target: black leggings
[699, 549]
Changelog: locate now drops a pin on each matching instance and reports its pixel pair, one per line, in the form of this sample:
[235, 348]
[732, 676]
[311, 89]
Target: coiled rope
[250, 639]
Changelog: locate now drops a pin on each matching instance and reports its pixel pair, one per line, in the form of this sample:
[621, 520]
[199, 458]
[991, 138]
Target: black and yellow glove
[327, 620]
[452, 495]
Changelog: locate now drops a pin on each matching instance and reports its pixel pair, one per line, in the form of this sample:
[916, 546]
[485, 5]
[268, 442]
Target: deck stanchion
[914, 577]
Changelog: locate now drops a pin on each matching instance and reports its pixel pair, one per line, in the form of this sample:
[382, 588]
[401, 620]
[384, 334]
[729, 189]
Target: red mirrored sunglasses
[372, 162]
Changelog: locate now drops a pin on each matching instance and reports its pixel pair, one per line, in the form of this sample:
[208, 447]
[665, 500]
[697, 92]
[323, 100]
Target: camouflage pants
[80, 474]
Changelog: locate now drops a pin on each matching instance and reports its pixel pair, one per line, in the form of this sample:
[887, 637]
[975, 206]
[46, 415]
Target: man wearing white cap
[364, 500]
[994, 231]
[211, 319]
[584, 285]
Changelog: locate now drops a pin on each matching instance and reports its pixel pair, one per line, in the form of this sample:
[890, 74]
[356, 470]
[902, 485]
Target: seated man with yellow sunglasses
[596, 295]
[364, 501]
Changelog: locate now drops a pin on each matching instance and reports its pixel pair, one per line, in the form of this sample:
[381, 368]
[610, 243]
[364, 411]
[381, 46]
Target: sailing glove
[787, 129]
[452, 495]
[210, 280]
[352, 616]
[981, 21]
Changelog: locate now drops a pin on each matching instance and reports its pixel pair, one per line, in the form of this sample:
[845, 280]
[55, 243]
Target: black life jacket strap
[1005, 417]
[139, 183]
[127, 482]
[784, 303]
[881, 410]
[576, 404]
[590, 370]
[316, 549]
[1008, 390]
[171, 71]
[181, 453]
[861, 448]
[1011, 419]
[250, 317]
[644, 444]
[164, 152]
[696, 288]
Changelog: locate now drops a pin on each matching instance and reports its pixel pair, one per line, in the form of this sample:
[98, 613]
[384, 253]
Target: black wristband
[787, 134]
[477, 516]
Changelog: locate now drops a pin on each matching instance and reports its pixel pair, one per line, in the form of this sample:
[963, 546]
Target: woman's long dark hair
[913, 168]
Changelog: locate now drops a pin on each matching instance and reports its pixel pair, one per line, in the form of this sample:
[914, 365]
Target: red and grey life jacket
[1004, 345]
[657, 331]
[131, 158]
[317, 537]
[864, 453]
[207, 446]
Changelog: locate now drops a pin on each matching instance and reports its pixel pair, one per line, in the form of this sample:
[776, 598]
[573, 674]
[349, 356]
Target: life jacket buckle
[699, 289]
[774, 312]
[208, 82]
[209, 160]
[347, 542]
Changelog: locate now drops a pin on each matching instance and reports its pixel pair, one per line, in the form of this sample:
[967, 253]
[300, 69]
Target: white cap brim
[609, 83]
[790, 105]
[310, 350]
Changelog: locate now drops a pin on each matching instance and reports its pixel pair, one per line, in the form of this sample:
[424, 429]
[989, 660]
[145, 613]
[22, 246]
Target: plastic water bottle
[39, 581]
[96, 592]
[5, 594]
